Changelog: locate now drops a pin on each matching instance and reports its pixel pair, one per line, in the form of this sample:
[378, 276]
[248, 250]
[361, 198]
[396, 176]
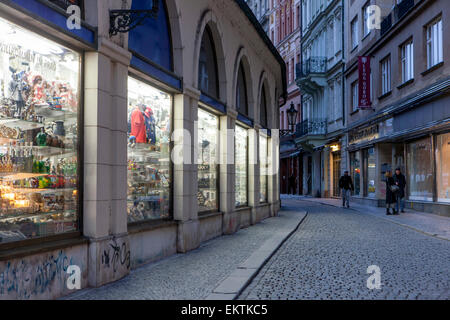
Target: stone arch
[209, 18]
[242, 57]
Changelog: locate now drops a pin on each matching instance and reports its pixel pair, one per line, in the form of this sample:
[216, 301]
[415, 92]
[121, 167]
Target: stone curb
[240, 278]
[383, 218]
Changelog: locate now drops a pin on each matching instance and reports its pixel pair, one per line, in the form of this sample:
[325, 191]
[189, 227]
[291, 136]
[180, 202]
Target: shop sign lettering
[366, 134]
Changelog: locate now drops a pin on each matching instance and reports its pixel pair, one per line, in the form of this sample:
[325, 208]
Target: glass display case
[39, 105]
[149, 166]
[263, 168]
[208, 143]
[241, 154]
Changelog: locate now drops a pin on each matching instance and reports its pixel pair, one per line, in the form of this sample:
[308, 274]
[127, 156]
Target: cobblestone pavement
[328, 257]
[196, 274]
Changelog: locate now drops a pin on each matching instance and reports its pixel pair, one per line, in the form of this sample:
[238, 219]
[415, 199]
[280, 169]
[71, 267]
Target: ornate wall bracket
[122, 21]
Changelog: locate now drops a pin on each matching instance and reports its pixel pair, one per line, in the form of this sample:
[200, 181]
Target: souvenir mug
[58, 128]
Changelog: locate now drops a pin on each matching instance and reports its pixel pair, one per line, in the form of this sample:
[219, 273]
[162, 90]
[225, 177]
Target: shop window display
[370, 167]
[149, 169]
[241, 154]
[263, 160]
[355, 164]
[208, 141]
[443, 167]
[39, 105]
[420, 172]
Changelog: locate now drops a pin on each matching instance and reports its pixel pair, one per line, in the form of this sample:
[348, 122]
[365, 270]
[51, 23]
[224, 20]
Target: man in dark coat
[346, 185]
[292, 184]
[400, 181]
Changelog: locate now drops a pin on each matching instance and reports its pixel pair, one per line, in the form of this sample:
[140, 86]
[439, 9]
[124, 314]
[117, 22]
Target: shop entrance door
[336, 172]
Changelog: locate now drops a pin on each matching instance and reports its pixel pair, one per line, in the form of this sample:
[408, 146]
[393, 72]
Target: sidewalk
[220, 269]
[427, 223]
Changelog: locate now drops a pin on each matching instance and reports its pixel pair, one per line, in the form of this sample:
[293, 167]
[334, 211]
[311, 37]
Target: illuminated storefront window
[39, 110]
[149, 168]
[208, 148]
[241, 154]
[443, 167]
[263, 160]
[370, 172]
[355, 165]
[419, 158]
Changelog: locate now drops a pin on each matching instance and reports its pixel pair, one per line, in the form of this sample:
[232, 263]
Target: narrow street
[328, 256]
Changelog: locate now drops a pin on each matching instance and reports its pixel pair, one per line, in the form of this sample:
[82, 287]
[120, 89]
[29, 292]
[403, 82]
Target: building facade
[119, 149]
[409, 123]
[260, 9]
[319, 75]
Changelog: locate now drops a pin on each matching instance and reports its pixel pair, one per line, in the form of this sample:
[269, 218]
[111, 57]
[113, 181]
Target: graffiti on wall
[116, 255]
[25, 279]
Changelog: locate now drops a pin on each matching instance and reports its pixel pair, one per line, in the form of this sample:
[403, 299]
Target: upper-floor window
[354, 31]
[207, 67]
[241, 92]
[407, 61]
[366, 22]
[435, 52]
[386, 75]
[355, 91]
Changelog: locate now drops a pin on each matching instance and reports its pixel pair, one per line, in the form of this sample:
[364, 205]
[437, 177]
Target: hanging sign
[364, 83]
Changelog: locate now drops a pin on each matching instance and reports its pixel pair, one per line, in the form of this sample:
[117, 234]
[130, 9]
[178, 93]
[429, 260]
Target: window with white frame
[435, 54]
[407, 61]
[355, 95]
[386, 75]
[354, 30]
[366, 22]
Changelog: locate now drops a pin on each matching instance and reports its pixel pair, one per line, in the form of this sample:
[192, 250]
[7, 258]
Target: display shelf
[45, 111]
[9, 217]
[22, 124]
[20, 176]
[42, 191]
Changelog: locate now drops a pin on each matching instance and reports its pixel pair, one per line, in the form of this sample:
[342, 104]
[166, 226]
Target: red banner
[364, 101]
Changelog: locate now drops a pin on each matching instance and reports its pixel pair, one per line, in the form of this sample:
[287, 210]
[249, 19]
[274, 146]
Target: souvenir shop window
[208, 148]
[443, 167]
[419, 159]
[263, 168]
[39, 106]
[149, 166]
[241, 154]
[370, 172]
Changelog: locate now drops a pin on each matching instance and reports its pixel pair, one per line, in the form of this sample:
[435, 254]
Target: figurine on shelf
[41, 138]
[17, 89]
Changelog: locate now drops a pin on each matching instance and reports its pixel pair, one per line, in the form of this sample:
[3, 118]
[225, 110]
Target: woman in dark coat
[390, 196]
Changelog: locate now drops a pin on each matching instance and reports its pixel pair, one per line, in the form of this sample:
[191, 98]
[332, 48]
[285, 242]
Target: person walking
[292, 184]
[346, 186]
[391, 190]
[400, 181]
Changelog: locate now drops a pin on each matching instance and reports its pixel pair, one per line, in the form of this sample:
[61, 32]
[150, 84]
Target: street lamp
[292, 115]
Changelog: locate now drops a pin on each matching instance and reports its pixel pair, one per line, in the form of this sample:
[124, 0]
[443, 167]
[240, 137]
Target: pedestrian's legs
[343, 197]
[347, 195]
[397, 203]
[402, 204]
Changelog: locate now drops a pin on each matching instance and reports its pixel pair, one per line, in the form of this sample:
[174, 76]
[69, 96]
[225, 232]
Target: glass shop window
[208, 146]
[370, 173]
[419, 159]
[149, 166]
[39, 108]
[264, 167]
[443, 167]
[241, 154]
[355, 164]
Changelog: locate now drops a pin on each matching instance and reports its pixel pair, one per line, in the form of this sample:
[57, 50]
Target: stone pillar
[185, 174]
[253, 172]
[105, 162]
[231, 222]
[274, 173]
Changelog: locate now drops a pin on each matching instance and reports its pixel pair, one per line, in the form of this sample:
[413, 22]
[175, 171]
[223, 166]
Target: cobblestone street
[328, 257]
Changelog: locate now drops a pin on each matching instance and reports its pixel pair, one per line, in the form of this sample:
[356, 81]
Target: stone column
[105, 162]
[230, 221]
[253, 171]
[185, 205]
[274, 173]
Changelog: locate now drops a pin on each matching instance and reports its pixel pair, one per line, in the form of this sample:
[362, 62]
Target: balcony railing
[311, 127]
[312, 65]
[402, 8]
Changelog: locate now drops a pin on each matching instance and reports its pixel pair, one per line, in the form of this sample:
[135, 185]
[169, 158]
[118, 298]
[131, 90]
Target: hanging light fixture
[292, 116]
